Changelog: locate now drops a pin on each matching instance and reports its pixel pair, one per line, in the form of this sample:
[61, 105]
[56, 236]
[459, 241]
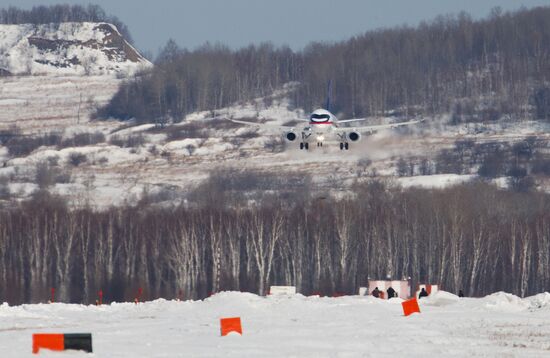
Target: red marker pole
[100, 297]
[139, 293]
[52, 300]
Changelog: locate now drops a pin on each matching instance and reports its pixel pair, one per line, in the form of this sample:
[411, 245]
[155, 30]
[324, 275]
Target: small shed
[402, 287]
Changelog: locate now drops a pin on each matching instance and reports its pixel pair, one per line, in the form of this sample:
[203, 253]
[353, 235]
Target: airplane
[323, 126]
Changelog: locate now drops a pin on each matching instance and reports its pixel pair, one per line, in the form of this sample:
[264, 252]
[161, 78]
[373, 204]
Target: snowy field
[499, 325]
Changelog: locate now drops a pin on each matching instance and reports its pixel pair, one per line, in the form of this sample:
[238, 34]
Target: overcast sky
[238, 23]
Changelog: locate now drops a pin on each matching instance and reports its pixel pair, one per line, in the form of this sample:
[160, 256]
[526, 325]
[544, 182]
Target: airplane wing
[366, 129]
[351, 120]
[267, 126]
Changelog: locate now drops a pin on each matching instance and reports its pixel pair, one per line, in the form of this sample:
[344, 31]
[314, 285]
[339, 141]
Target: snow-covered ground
[113, 175]
[499, 325]
[437, 181]
[42, 104]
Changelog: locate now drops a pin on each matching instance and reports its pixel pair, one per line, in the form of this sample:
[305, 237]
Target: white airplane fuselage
[321, 122]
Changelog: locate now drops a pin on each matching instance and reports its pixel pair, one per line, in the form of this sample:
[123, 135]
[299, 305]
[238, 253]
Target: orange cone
[231, 325]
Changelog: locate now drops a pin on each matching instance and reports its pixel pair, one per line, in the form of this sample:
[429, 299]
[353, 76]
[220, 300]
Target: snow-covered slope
[114, 175]
[499, 325]
[67, 48]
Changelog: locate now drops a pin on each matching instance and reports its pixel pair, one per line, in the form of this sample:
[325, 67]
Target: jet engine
[290, 136]
[354, 136]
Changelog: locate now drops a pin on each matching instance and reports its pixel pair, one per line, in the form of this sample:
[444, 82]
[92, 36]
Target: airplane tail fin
[329, 90]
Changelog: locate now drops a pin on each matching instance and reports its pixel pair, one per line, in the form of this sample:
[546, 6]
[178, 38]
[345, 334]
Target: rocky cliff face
[67, 48]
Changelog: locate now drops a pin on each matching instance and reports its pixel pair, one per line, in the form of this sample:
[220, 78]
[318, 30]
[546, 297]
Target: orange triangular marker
[231, 325]
[410, 306]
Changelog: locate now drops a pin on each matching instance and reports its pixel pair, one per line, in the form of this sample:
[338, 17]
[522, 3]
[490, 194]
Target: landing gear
[304, 145]
[319, 144]
[344, 146]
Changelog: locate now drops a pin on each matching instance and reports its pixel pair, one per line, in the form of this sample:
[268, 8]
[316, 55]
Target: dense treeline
[210, 77]
[471, 237]
[61, 13]
[476, 70]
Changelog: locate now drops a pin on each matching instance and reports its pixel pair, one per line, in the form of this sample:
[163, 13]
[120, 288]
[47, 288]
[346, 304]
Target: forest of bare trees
[472, 237]
[61, 13]
[477, 70]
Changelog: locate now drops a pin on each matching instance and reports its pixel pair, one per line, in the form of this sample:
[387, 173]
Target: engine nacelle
[353, 136]
[290, 136]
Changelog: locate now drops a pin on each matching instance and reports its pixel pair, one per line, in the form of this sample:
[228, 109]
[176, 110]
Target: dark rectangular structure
[79, 341]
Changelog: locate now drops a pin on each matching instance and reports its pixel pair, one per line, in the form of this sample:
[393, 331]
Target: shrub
[541, 166]
[83, 139]
[116, 140]
[275, 145]
[47, 175]
[493, 165]
[76, 158]
[132, 141]
[63, 177]
[135, 141]
[53, 161]
[189, 130]
[4, 188]
[521, 184]
[44, 175]
[153, 150]
[7, 134]
[19, 146]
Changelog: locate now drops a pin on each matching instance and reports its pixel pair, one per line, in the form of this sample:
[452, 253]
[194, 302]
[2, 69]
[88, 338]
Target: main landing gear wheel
[301, 146]
[346, 145]
[304, 145]
[341, 146]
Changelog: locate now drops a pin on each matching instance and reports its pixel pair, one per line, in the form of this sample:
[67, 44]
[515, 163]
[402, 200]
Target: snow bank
[288, 326]
[502, 301]
[440, 299]
[540, 301]
[114, 155]
[437, 181]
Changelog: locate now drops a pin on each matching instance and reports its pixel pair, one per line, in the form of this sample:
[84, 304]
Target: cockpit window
[320, 116]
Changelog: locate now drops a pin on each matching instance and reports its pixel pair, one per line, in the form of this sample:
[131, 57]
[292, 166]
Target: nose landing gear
[344, 146]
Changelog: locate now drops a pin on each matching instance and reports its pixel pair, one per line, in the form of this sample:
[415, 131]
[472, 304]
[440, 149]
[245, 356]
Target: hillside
[67, 48]
[474, 70]
[126, 162]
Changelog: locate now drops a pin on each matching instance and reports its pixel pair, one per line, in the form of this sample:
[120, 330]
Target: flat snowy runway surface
[499, 325]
